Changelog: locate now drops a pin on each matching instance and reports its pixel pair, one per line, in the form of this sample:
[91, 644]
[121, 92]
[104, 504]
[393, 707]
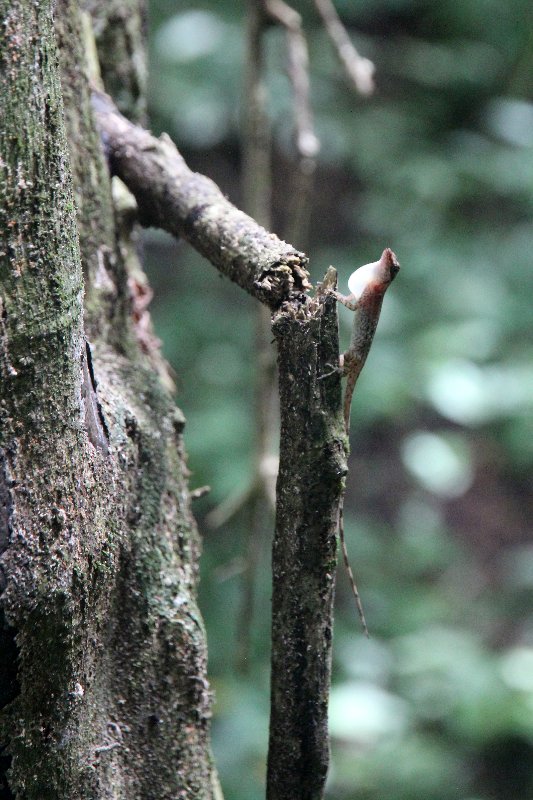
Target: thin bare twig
[307, 143]
[257, 198]
[359, 69]
[258, 498]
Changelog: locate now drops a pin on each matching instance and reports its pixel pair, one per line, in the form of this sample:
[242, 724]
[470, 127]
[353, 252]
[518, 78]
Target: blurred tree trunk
[102, 649]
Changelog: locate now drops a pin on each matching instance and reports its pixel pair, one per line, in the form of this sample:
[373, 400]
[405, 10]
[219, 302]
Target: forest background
[438, 165]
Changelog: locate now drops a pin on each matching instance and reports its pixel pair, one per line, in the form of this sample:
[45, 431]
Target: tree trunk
[102, 649]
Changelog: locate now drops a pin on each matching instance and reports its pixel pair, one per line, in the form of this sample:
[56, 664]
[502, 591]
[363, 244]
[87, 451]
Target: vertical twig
[256, 161]
[312, 466]
[257, 190]
[306, 142]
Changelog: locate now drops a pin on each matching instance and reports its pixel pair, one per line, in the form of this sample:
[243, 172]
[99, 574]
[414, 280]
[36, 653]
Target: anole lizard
[367, 286]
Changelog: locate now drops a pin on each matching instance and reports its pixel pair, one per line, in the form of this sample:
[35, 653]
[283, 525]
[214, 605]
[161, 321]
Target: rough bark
[107, 696]
[311, 472]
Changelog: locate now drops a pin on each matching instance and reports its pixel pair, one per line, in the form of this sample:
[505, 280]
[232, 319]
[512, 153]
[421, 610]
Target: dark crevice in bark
[6, 509]
[9, 685]
[9, 689]
[95, 423]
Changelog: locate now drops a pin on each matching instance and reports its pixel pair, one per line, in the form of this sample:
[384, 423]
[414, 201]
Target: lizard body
[367, 287]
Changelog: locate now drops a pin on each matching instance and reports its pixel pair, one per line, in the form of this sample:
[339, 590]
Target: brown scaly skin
[372, 281]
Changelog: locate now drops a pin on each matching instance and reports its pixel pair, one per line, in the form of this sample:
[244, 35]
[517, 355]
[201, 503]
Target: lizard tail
[349, 571]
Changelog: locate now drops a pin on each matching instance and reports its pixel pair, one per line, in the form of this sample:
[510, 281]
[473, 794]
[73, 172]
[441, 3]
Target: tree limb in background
[256, 139]
[257, 195]
[259, 497]
[306, 142]
[189, 205]
[257, 191]
[359, 69]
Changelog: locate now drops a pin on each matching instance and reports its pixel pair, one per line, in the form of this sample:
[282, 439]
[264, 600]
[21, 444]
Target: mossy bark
[102, 648]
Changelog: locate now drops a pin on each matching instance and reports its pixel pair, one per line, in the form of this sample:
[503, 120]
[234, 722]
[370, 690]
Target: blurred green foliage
[438, 164]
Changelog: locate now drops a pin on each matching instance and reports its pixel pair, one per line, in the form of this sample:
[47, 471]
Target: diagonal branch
[187, 204]
[359, 69]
